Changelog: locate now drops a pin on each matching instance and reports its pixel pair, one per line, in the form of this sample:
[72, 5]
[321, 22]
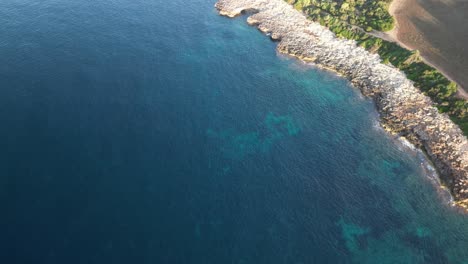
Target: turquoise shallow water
[159, 132]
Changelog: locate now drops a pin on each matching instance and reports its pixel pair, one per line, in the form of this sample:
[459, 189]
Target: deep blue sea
[150, 131]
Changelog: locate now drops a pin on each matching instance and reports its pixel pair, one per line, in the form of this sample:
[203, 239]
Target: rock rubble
[404, 110]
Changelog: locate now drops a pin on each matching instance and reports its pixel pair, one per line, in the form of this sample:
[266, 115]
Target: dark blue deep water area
[150, 131]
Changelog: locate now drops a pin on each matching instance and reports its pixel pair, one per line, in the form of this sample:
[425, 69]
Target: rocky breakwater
[403, 109]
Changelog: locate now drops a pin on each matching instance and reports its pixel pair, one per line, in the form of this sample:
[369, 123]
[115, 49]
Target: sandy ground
[439, 30]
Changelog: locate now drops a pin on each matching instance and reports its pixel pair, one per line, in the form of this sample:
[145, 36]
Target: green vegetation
[367, 14]
[352, 18]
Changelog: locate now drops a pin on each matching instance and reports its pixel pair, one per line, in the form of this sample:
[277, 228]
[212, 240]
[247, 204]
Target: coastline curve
[404, 110]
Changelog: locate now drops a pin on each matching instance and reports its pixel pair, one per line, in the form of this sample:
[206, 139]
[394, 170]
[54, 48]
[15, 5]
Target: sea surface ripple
[138, 131]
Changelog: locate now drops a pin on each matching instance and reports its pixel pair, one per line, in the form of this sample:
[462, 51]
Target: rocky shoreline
[403, 109]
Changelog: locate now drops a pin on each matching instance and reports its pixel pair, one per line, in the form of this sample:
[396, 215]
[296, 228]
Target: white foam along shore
[403, 109]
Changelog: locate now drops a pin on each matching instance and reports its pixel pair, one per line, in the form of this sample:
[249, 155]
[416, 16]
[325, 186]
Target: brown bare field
[439, 30]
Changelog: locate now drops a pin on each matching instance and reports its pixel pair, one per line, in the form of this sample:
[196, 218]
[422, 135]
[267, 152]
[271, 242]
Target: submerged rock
[403, 108]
